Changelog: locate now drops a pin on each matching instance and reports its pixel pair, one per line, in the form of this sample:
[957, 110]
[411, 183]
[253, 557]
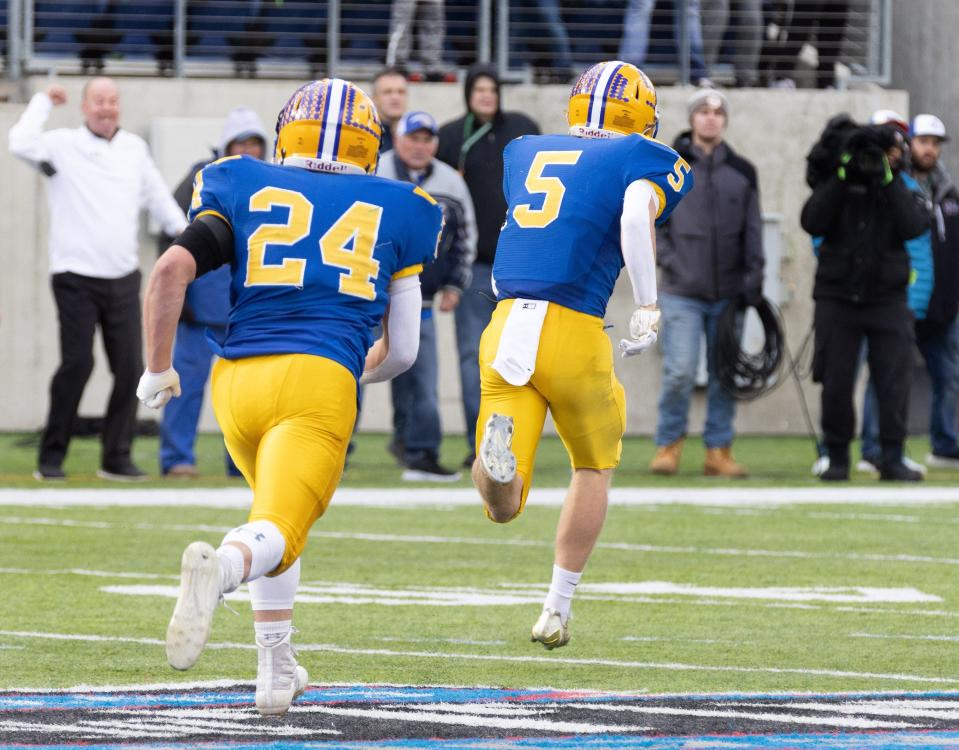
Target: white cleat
[279, 679]
[550, 630]
[495, 453]
[189, 628]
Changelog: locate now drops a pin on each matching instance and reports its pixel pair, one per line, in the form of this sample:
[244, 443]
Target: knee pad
[266, 545]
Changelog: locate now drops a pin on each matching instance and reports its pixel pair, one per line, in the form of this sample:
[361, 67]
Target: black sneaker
[898, 472]
[469, 461]
[123, 472]
[836, 473]
[428, 470]
[49, 473]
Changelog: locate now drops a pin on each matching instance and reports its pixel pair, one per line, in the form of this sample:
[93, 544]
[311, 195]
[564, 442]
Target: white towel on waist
[516, 356]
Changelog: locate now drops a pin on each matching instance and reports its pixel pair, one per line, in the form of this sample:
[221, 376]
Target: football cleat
[495, 452]
[329, 126]
[189, 628]
[612, 99]
[550, 630]
[279, 679]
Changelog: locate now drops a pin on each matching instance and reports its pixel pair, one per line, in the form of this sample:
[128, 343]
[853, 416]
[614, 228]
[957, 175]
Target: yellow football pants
[287, 421]
[573, 378]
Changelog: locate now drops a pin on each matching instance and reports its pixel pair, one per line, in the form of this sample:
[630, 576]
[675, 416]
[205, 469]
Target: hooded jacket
[476, 150]
[944, 304]
[207, 301]
[711, 246]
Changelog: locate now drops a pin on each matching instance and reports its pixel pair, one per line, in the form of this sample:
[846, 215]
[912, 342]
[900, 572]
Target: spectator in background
[747, 38]
[389, 96]
[416, 414]
[431, 34]
[206, 308]
[635, 39]
[710, 252]
[865, 214]
[918, 294]
[473, 144]
[826, 19]
[540, 24]
[99, 177]
[938, 334]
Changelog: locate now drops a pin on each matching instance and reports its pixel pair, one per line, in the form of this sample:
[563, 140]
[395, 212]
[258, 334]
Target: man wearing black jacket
[864, 214]
[474, 145]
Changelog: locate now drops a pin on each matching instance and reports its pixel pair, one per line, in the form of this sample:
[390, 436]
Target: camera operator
[864, 213]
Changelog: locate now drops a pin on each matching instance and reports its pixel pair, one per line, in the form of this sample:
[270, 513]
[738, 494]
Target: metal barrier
[741, 42]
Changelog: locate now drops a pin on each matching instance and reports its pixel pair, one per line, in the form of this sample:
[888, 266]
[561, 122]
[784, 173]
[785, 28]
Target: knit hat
[707, 98]
[241, 123]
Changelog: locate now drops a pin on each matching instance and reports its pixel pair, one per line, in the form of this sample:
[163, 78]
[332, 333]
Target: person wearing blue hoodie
[205, 308]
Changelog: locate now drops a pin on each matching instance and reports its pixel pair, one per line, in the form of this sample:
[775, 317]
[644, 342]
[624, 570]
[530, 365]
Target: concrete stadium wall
[181, 118]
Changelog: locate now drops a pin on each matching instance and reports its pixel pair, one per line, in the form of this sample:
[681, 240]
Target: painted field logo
[362, 715]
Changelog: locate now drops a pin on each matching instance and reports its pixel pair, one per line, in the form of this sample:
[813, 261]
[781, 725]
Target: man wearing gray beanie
[710, 252]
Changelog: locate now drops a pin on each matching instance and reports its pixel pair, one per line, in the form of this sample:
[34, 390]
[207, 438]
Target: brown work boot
[666, 460]
[720, 463]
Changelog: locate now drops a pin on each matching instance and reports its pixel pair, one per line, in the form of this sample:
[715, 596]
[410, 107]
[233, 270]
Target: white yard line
[552, 660]
[239, 497]
[943, 638]
[543, 544]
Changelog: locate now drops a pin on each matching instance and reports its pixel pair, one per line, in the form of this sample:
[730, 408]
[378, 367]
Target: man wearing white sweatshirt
[98, 178]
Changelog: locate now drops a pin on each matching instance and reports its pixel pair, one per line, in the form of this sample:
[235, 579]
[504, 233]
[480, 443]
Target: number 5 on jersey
[552, 188]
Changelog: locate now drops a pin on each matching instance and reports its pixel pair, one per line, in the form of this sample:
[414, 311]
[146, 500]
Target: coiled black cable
[743, 375]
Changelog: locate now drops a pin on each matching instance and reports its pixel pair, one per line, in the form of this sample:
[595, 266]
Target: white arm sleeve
[26, 136]
[403, 329]
[159, 201]
[636, 240]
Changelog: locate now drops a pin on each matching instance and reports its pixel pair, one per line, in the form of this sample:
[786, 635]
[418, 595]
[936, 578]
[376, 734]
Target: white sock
[271, 633]
[277, 592]
[231, 567]
[561, 590]
[266, 545]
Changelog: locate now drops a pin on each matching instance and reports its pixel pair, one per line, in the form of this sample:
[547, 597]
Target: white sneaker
[937, 461]
[914, 465]
[867, 467]
[189, 628]
[495, 452]
[550, 630]
[279, 679]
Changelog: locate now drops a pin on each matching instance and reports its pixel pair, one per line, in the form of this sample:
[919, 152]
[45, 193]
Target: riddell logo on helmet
[327, 166]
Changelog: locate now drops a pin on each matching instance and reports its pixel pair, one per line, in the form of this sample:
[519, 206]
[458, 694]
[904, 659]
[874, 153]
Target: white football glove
[643, 332]
[156, 388]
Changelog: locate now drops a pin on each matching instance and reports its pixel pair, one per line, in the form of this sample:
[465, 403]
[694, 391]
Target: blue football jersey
[314, 254]
[561, 238]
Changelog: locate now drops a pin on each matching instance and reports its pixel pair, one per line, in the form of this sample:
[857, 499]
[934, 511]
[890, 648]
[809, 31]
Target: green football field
[745, 594]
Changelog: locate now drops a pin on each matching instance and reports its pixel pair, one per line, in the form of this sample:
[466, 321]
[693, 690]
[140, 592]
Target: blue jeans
[416, 411]
[635, 41]
[192, 359]
[941, 354]
[544, 33]
[472, 316]
[683, 323]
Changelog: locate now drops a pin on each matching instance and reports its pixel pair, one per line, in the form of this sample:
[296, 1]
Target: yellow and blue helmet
[329, 126]
[613, 98]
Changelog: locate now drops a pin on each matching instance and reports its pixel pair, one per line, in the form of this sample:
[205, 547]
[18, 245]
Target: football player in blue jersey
[321, 251]
[581, 206]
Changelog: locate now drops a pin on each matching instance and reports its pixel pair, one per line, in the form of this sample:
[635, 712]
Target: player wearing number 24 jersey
[320, 252]
[580, 207]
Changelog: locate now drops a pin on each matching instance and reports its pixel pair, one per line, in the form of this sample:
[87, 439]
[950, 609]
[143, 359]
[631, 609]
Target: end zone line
[239, 497]
[554, 660]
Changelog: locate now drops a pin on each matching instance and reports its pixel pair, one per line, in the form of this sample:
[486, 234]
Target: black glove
[751, 298]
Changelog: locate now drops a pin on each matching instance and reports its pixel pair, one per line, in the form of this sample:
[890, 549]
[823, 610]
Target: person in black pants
[824, 19]
[864, 213]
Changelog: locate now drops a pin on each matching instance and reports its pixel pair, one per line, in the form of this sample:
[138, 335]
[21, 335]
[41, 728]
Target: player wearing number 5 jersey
[321, 252]
[581, 206]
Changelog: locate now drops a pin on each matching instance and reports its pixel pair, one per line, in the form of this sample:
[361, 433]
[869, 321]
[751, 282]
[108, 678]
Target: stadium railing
[538, 40]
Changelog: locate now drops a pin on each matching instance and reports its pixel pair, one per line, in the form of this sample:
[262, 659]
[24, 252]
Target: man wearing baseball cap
[710, 251]
[416, 418]
[938, 334]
